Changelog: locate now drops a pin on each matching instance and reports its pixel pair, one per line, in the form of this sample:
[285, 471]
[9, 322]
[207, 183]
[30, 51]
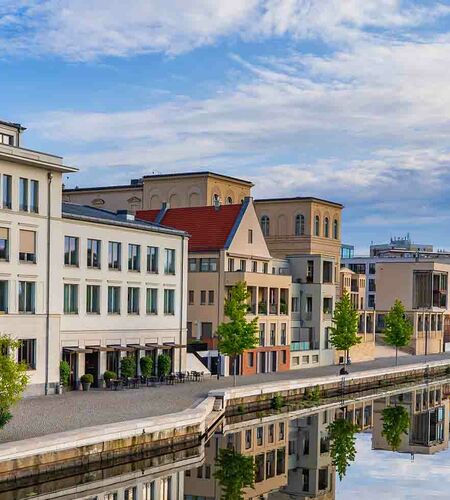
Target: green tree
[146, 364]
[128, 367]
[344, 332]
[342, 444]
[398, 328]
[64, 373]
[237, 334]
[164, 365]
[13, 378]
[395, 424]
[234, 472]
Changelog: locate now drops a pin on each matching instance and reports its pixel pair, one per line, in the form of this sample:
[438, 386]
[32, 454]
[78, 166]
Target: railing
[304, 346]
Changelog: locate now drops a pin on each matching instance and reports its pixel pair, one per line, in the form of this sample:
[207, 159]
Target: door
[72, 359]
[262, 362]
[273, 355]
[91, 363]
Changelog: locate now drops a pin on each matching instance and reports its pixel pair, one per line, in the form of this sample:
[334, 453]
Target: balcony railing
[304, 346]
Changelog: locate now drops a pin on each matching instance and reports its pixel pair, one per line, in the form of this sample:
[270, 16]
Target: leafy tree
[64, 373]
[235, 472]
[146, 364]
[238, 334]
[128, 366]
[344, 332]
[398, 328]
[342, 444]
[164, 365]
[13, 378]
[395, 424]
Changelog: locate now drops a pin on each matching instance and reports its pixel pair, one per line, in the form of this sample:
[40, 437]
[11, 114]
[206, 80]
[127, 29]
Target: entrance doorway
[262, 362]
[91, 365]
[72, 360]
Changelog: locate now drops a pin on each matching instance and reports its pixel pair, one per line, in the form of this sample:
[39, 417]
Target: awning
[101, 348]
[149, 347]
[79, 350]
[138, 346]
[176, 346]
[123, 348]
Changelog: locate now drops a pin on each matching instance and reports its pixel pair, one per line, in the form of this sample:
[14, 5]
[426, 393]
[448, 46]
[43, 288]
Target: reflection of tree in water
[395, 424]
[342, 444]
[235, 472]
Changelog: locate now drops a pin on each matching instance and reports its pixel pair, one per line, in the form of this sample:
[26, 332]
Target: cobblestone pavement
[37, 416]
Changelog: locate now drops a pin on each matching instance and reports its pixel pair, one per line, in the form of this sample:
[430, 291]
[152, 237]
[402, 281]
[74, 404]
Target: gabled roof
[99, 215]
[210, 228]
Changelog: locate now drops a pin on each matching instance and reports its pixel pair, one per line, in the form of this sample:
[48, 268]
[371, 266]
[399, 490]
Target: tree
[344, 332]
[235, 472]
[164, 365]
[146, 364]
[398, 328]
[395, 424]
[342, 444]
[13, 378]
[238, 334]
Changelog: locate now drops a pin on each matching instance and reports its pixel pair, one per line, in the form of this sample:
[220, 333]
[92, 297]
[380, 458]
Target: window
[230, 265]
[211, 297]
[250, 359]
[93, 253]
[250, 235]
[93, 299]
[310, 271]
[265, 225]
[27, 297]
[243, 265]
[299, 225]
[3, 297]
[254, 267]
[4, 243]
[271, 433]
[70, 251]
[248, 439]
[262, 334]
[295, 305]
[357, 268]
[148, 491]
[7, 139]
[27, 246]
[130, 493]
[372, 268]
[327, 271]
[371, 301]
[169, 301]
[316, 225]
[265, 268]
[206, 330]
[114, 255]
[169, 261]
[283, 339]
[133, 300]
[281, 430]
[134, 257]
[191, 296]
[192, 265]
[113, 495]
[27, 353]
[309, 304]
[335, 229]
[70, 299]
[23, 194]
[273, 333]
[327, 338]
[152, 259]
[372, 286]
[152, 301]
[208, 265]
[326, 227]
[202, 297]
[114, 300]
[327, 305]
[259, 436]
[7, 192]
[34, 196]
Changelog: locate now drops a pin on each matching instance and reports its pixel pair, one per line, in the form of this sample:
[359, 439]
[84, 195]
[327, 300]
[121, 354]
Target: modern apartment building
[81, 283]
[226, 246]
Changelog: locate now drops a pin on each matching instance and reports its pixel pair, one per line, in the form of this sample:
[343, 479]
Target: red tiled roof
[209, 228]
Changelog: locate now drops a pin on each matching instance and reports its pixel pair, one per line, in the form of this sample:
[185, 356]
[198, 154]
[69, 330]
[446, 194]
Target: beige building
[423, 289]
[226, 246]
[192, 189]
[80, 283]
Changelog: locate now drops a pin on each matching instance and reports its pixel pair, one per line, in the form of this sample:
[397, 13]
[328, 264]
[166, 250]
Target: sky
[346, 100]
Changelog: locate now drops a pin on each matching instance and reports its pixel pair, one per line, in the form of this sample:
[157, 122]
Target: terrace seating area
[154, 381]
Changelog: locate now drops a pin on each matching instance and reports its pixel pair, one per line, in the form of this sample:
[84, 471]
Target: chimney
[125, 215]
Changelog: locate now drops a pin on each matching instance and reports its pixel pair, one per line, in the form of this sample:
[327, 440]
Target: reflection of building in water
[266, 442]
[428, 409]
[311, 474]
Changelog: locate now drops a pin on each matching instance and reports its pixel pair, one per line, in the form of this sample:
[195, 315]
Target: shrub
[312, 394]
[64, 373]
[277, 402]
[87, 378]
[5, 417]
[128, 367]
[164, 364]
[146, 364]
[108, 375]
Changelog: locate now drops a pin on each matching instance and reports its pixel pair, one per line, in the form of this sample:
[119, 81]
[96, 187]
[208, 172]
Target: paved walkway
[48, 414]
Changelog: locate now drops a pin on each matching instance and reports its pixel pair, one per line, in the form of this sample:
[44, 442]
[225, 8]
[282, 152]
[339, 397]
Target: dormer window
[7, 139]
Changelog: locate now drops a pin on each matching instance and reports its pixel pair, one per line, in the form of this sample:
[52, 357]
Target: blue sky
[343, 100]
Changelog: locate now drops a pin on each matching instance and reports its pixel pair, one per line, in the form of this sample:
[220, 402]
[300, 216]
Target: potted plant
[164, 365]
[107, 376]
[262, 307]
[86, 381]
[146, 364]
[128, 367]
[64, 376]
[283, 307]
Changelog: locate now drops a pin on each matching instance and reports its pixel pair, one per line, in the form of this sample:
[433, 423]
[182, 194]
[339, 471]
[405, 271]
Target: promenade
[39, 416]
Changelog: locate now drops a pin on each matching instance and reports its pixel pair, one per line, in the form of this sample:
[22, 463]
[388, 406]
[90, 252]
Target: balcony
[257, 279]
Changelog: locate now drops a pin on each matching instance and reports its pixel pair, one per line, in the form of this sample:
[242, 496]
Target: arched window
[299, 225]
[316, 225]
[265, 225]
[229, 200]
[326, 227]
[216, 200]
[335, 229]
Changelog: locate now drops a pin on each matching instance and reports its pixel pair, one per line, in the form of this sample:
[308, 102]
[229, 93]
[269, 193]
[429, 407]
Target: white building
[80, 283]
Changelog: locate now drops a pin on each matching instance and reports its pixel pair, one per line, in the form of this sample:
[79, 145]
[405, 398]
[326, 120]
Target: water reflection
[297, 455]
